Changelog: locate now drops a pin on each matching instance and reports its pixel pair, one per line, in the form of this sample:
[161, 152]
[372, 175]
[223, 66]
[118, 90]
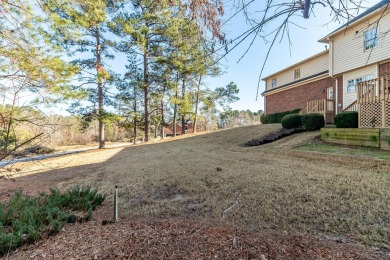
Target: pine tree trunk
[196, 105]
[175, 107]
[183, 91]
[146, 93]
[162, 112]
[100, 90]
[135, 115]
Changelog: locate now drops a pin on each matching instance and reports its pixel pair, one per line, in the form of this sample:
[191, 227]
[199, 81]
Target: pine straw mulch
[173, 238]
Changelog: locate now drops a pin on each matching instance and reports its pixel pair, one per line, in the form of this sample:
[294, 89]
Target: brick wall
[298, 97]
[384, 69]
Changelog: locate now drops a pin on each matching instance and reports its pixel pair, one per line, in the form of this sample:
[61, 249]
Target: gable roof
[367, 12]
[296, 64]
[326, 72]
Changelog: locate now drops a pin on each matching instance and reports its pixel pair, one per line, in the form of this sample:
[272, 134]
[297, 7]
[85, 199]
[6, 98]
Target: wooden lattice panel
[371, 114]
[387, 111]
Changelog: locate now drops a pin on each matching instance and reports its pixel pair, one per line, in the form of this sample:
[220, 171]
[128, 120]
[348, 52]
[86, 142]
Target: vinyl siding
[308, 68]
[349, 98]
[348, 46]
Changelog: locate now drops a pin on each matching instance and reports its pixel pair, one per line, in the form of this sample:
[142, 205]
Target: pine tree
[81, 26]
[29, 65]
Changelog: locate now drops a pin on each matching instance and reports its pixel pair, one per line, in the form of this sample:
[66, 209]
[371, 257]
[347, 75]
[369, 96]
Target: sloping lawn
[213, 177]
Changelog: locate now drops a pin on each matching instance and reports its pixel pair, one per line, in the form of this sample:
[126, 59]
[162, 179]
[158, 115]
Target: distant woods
[136, 64]
[125, 70]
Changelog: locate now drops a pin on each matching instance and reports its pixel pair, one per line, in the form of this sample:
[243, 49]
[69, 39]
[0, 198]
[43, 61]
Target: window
[330, 95]
[297, 73]
[368, 77]
[371, 38]
[351, 86]
[365, 78]
[274, 83]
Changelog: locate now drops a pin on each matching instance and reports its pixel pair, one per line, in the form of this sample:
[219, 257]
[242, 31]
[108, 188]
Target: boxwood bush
[277, 117]
[347, 119]
[264, 119]
[24, 219]
[292, 121]
[312, 122]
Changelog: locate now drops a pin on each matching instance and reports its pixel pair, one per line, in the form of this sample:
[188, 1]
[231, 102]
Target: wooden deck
[373, 99]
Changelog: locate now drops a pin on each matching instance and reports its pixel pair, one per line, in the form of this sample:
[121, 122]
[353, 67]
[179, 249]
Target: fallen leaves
[173, 238]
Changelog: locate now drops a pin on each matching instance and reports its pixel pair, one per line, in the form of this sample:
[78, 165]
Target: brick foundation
[384, 69]
[298, 97]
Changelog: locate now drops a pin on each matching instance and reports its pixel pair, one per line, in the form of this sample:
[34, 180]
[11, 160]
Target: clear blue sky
[246, 73]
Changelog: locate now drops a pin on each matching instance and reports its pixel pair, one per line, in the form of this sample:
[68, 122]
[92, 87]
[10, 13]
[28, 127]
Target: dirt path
[62, 151]
[273, 186]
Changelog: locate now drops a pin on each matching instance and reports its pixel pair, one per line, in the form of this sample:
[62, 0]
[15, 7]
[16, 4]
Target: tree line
[53, 51]
[56, 51]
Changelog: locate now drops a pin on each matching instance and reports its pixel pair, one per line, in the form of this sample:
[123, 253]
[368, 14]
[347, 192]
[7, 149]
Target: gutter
[297, 82]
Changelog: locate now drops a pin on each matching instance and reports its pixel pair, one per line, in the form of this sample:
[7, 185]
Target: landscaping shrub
[348, 119]
[24, 219]
[276, 117]
[312, 122]
[264, 119]
[292, 121]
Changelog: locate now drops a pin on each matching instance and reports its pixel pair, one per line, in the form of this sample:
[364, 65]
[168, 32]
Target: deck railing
[352, 107]
[373, 90]
[373, 98]
[321, 106]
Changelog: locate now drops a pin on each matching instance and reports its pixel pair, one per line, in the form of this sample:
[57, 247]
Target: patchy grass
[271, 186]
[357, 152]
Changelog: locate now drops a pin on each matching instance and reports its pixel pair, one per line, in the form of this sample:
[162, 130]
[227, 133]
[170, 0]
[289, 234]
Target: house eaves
[297, 82]
[295, 65]
[369, 12]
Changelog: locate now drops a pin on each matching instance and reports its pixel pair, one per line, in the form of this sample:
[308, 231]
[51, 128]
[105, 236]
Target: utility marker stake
[116, 215]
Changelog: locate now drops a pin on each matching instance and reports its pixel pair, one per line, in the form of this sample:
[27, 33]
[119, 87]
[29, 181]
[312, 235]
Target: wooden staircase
[321, 106]
[352, 107]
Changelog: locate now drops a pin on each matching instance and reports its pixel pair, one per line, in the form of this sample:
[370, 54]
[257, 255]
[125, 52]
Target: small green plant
[24, 219]
[373, 138]
[292, 121]
[313, 121]
[373, 121]
[348, 119]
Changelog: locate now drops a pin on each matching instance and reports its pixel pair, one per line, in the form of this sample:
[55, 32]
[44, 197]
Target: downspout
[331, 75]
[331, 58]
[337, 97]
[265, 105]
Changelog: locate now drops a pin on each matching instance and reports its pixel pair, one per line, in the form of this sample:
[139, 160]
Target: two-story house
[357, 63]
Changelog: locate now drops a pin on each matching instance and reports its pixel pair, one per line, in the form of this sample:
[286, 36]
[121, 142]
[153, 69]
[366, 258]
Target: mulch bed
[173, 238]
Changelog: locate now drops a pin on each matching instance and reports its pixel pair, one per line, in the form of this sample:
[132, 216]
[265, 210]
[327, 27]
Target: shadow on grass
[202, 177]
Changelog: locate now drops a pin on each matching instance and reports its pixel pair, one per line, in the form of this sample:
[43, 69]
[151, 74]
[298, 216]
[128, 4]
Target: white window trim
[355, 81]
[272, 83]
[330, 90]
[364, 38]
[299, 73]
[354, 86]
